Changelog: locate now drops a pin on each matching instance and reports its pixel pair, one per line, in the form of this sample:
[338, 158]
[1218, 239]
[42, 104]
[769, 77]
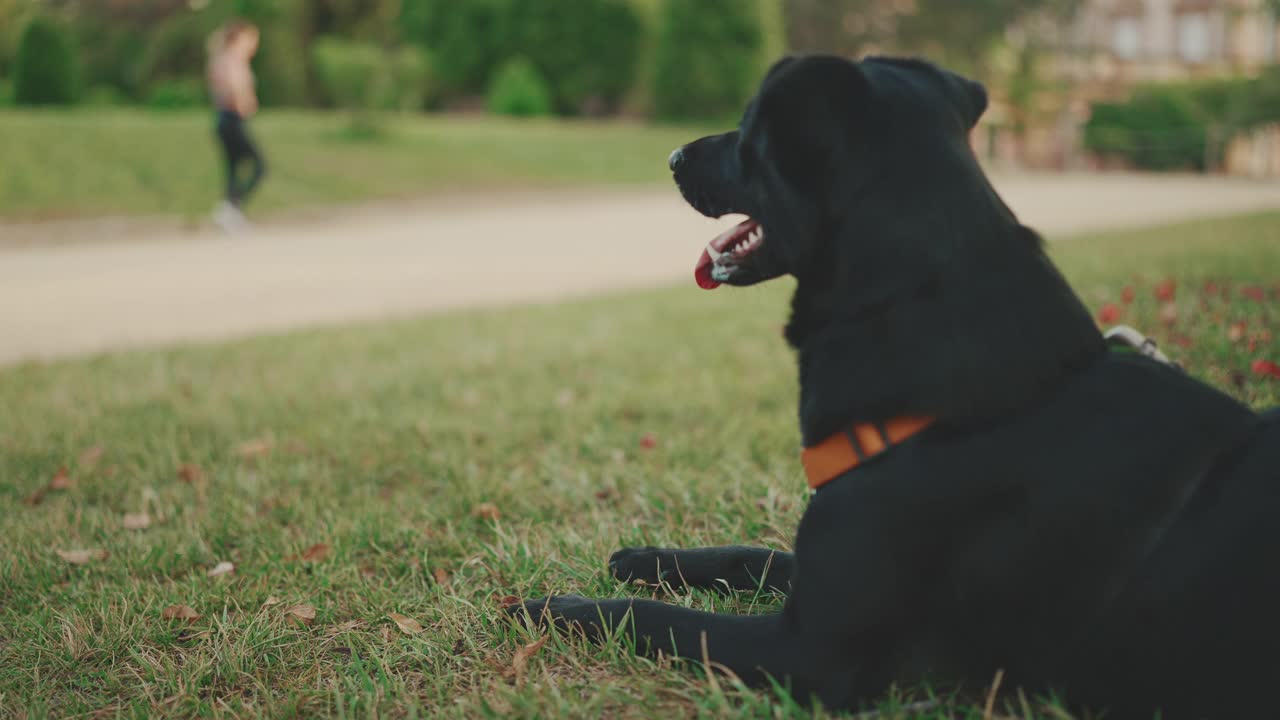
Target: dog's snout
[676, 159]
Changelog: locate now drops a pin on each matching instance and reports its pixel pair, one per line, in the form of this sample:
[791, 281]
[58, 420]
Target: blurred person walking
[231, 87]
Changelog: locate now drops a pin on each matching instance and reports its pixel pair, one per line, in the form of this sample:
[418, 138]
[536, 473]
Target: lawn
[432, 467]
[120, 162]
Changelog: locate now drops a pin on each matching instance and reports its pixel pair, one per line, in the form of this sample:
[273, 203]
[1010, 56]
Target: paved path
[84, 287]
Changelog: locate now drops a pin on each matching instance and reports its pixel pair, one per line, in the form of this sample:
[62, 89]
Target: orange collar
[849, 448]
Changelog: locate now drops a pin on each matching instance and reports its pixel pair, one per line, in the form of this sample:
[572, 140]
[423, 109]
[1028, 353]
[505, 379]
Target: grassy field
[86, 163]
[432, 467]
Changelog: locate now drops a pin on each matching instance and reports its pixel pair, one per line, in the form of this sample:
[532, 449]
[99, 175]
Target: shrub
[46, 71]
[349, 72]
[708, 57]
[177, 95]
[409, 81]
[6, 93]
[105, 96]
[586, 49]
[468, 44]
[519, 89]
[1158, 129]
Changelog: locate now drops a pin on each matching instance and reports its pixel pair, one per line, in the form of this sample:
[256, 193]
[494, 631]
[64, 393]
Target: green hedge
[1181, 126]
[587, 51]
[708, 58]
[46, 71]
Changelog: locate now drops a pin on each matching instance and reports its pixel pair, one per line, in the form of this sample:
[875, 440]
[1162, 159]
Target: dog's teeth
[713, 253]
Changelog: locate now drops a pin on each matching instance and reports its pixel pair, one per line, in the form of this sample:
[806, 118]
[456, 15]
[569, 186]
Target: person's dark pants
[237, 147]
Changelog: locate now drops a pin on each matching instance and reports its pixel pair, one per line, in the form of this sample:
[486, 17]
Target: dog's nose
[676, 159]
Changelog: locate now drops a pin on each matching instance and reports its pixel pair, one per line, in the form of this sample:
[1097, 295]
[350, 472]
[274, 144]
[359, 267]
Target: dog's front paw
[646, 564]
[567, 612]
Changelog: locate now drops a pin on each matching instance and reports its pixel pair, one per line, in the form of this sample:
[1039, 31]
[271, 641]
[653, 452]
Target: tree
[960, 35]
[708, 58]
[46, 71]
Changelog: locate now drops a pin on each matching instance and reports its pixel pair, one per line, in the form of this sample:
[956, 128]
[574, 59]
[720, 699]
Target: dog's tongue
[702, 273]
[721, 244]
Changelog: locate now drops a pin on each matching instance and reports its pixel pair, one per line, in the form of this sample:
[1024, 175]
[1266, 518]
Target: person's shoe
[229, 219]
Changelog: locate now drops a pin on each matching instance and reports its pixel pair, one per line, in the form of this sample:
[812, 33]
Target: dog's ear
[813, 109]
[973, 98]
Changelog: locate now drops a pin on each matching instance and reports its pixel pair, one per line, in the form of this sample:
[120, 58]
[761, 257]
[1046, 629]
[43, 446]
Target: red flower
[1255, 293]
[649, 441]
[1127, 295]
[1210, 287]
[1266, 368]
[1166, 290]
[1109, 313]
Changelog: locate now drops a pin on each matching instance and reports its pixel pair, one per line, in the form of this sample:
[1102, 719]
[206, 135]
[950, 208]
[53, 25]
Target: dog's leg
[753, 647]
[732, 567]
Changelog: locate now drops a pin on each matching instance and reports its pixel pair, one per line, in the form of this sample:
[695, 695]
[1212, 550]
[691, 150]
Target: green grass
[386, 441]
[87, 163]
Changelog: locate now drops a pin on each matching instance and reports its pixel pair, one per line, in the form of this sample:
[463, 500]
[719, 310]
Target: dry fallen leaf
[315, 553]
[407, 625]
[136, 521]
[90, 457]
[272, 600]
[254, 448]
[521, 660]
[301, 614]
[486, 511]
[61, 480]
[441, 575]
[81, 557]
[222, 568]
[180, 612]
[190, 474]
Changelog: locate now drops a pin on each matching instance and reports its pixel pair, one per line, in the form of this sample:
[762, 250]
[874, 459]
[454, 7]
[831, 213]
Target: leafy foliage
[708, 57]
[518, 89]
[46, 71]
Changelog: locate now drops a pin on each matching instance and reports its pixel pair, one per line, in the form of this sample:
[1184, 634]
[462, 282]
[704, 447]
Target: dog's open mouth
[725, 255]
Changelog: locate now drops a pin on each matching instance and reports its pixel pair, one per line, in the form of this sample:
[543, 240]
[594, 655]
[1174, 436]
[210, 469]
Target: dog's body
[1093, 524]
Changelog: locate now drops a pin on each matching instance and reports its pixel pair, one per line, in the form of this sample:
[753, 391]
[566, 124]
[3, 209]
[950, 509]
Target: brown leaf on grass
[300, 614]
[81, 557]
[252, 449]
[190, 474]
[271, 600]
[222, 568]
[61, 480]
[520, 662]
[507, 601]
[368, 572]
[442, 576]
[315, 553]
[136, 521]
[486, 511]
[407, 625]
[180, 612]
[90, 457]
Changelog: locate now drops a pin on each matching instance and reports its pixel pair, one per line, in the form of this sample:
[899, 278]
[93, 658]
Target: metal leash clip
[1125, 336]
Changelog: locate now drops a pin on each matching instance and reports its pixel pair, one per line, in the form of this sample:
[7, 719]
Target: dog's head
[918, 290]
[824, 140]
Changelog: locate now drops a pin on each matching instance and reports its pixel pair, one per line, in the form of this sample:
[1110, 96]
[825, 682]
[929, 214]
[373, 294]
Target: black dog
[996, 489]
